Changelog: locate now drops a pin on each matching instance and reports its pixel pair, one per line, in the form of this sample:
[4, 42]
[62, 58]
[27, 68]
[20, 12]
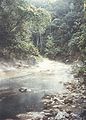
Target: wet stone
[48, 114]
[68, 101]
[51, 118]
[55, 106]
[23, 89]
[45, 117]
[47, 97]
[68, 111]
[61, 115]
[37, 118]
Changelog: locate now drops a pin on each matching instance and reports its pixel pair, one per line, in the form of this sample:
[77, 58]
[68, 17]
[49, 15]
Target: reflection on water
[46, 78]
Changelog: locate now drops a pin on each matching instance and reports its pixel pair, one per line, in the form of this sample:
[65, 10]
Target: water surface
[47, 77]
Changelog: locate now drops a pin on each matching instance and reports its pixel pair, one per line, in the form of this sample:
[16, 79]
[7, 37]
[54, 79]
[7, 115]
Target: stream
[47, 77]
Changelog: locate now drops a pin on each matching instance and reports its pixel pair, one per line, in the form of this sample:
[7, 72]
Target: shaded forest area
[56, 30]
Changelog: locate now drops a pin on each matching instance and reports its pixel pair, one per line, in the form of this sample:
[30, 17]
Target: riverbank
[10, 69]
[15, 68]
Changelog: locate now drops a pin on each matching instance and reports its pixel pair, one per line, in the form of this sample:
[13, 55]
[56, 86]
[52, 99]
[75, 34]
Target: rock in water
[22, 89]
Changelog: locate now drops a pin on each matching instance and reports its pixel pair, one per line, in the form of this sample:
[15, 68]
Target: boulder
[23, 89]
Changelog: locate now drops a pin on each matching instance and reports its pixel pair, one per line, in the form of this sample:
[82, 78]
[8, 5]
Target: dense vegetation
[56, 30]
[19, 22]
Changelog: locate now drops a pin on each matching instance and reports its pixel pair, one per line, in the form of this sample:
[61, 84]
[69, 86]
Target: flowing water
[47, 77]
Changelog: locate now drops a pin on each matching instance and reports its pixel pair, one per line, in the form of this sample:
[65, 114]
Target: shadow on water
[12, 105]
[13, 102]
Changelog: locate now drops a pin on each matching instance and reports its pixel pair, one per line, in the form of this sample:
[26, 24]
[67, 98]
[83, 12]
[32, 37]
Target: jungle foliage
[55, 30]
[19, 22]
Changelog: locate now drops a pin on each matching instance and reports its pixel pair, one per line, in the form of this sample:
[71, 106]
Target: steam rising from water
[46, 78]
